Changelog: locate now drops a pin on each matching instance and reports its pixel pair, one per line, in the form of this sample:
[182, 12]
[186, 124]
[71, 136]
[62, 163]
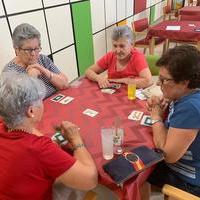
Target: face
[29, 51]
[122, 48]
[171, 90]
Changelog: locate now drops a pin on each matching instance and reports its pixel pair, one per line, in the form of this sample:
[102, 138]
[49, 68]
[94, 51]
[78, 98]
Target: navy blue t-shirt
[185, 114]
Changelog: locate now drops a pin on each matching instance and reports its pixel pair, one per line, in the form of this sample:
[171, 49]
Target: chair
[140, 28]
[190, 2]
[177, 194]
[151, 60]
[90, 195]
[167, 13]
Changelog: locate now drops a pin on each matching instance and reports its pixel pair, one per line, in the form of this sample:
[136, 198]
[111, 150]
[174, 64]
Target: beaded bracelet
[78, 146]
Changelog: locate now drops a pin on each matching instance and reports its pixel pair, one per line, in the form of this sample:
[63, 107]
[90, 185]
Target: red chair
[140, 28]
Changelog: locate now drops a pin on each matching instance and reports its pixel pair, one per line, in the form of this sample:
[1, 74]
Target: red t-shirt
[29, 165]
[135, 65]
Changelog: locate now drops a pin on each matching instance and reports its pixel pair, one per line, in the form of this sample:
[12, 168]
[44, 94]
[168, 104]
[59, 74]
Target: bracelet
[81, 145]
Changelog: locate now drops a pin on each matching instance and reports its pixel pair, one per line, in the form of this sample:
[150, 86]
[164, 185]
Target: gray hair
[122, 32]
[24, 32]
[17, 93]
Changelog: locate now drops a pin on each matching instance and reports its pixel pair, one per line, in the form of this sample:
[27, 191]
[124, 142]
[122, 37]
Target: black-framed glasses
[29, 51]
[163, 80]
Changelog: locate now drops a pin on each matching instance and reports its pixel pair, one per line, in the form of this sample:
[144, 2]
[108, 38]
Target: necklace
[18, 130]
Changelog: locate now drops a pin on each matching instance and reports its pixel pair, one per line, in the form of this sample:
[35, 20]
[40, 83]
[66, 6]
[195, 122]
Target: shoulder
[136, 53]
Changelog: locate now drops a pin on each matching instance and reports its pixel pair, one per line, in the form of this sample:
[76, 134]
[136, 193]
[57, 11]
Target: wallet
[132, 162]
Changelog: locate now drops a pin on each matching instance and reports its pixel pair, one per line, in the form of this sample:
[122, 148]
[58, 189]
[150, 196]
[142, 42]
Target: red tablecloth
[190, 10]
[88, 95]
[186, 33]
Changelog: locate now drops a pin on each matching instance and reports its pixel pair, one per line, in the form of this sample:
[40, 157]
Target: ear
[16, 51]
[186, 83]
[30, 112]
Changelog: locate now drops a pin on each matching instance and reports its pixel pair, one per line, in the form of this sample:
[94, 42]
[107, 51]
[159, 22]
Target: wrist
[78, 146]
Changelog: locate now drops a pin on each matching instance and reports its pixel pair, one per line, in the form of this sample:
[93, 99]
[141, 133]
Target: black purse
[132, 162]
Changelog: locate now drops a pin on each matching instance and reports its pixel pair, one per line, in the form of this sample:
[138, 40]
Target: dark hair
[183, 63]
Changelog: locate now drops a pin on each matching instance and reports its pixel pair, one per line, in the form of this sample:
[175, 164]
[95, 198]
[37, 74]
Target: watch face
[132, 157]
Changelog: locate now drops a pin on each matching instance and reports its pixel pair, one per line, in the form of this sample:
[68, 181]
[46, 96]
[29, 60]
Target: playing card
[58, 138]
[58, 97]
[90, 112]
[108, 90]
[135, 115]
[146, 120]
[115, 86]
[140, 95]
[66, 100]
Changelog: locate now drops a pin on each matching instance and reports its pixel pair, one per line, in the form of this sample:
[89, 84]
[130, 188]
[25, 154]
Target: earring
[32, 116]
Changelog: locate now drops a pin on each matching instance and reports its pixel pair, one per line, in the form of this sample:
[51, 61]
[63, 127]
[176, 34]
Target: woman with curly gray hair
[178, 134]
[30, 161]
[27, 44]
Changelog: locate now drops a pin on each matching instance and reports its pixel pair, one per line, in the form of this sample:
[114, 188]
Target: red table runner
[109, 106]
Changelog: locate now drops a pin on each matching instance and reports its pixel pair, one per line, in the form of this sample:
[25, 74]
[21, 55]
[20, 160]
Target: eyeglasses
[29, 51]
[163, 80]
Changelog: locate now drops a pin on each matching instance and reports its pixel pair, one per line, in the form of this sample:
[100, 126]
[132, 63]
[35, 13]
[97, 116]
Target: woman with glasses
[27, 44]
[124, 63]
[178, 132]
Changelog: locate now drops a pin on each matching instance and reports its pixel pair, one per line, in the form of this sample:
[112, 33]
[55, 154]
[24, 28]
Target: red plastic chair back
[140, 25]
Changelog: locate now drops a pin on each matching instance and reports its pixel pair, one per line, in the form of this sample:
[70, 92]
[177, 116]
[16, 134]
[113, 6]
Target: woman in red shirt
[124, 63]
[30, 161]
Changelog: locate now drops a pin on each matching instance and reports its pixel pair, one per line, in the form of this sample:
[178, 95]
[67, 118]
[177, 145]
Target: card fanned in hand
[131, 163]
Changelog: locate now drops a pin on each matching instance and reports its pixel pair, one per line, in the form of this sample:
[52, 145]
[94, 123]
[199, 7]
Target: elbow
[92, 181]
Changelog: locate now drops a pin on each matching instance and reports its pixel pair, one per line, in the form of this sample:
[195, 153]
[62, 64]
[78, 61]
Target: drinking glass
[118, 138]
[107, 143]
[131, 91]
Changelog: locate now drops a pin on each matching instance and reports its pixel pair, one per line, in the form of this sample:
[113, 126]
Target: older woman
[27, 45]
[178, 135]
[124, 64]
[31, 162]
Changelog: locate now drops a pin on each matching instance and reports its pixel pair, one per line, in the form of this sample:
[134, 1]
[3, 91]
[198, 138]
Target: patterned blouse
[46, 63]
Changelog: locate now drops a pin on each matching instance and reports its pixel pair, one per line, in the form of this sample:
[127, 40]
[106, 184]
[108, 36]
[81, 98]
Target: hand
[71, 133]
[120, 80]
[103, 81]
[156, 112]
[33, 72]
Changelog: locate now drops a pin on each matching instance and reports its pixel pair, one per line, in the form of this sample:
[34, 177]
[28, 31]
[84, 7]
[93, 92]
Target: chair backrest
[175, 193]
[140, 25]
[151, 60]
[189, 17]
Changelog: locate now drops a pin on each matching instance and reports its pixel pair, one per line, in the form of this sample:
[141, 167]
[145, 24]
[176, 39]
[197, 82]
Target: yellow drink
[131, 91]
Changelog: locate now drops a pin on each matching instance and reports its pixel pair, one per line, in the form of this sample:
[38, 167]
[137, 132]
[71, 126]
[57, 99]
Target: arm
[170, 140]
[173, 142]
[142, 81]
[83, 174]
[60, 81]
[93, 73]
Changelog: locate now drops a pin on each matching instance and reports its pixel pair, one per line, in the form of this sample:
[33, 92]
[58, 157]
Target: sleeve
[53, 159]
[105, 61]
[186, 116]
[140, 62]
[48, 64]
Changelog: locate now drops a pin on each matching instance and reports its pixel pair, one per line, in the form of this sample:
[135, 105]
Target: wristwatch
[154, 121]
[134, 160]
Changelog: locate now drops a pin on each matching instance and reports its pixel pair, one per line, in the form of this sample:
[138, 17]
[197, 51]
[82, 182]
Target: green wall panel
[152, 14]
[82, 23]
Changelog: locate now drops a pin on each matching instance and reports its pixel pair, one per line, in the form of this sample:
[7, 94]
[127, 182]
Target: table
[190, 10]
[186, 33]
[88, 95]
